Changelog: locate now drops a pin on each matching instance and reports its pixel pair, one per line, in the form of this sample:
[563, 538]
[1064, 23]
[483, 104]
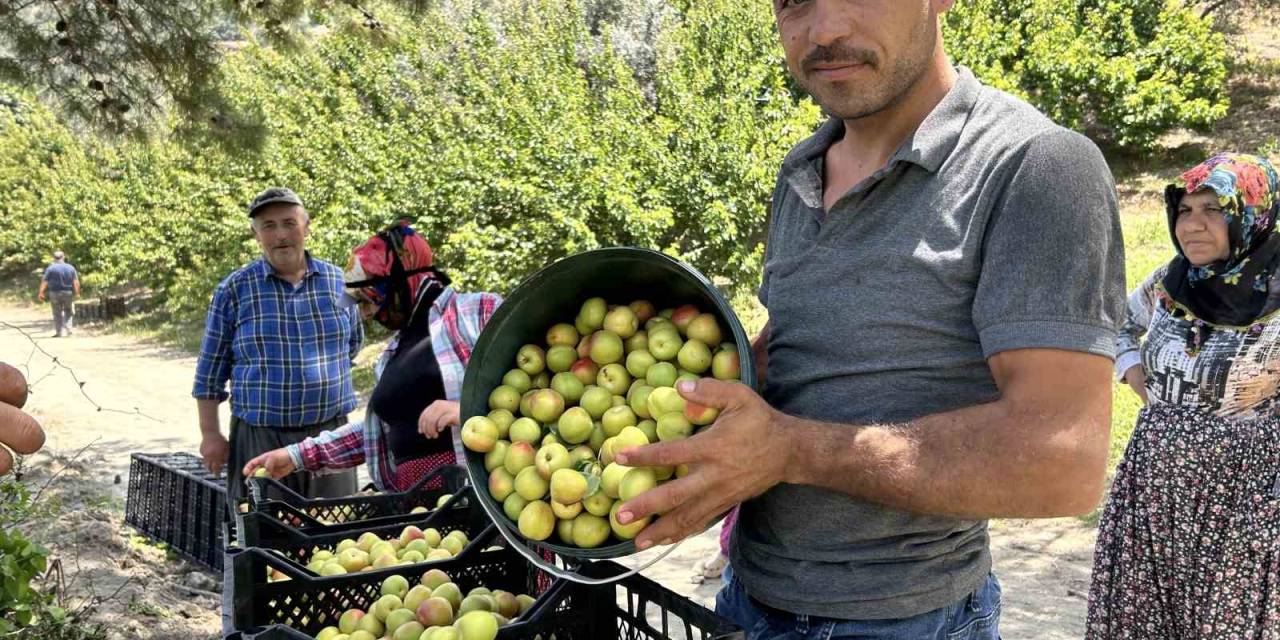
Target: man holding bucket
[944, 275]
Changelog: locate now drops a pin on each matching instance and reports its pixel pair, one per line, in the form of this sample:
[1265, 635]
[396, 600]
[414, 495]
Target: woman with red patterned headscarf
[393, 278]
[1189, 542]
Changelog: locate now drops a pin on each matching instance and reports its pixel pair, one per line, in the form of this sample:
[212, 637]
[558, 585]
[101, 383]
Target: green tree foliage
[1124, 70]
[513, 138]
[121, 66]
[519, 131]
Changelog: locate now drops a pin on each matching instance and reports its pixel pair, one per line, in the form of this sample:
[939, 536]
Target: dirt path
[1043, 565]
[123, 375]
[144, 394]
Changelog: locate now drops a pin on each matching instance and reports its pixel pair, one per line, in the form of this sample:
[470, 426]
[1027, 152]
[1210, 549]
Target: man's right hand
[41, 296]
[277, 463]
[215, 449]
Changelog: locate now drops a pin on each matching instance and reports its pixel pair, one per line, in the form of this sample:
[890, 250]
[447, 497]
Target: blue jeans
[974, 617]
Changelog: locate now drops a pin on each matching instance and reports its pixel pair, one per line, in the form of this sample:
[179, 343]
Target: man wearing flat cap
[278, 332]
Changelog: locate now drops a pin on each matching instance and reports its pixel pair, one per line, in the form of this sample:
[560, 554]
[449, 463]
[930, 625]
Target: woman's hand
[277, 463]
[1136, 378]
[441, 415]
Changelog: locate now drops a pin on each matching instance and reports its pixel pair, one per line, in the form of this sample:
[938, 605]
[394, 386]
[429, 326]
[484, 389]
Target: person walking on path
[61, 284]
[278, 331]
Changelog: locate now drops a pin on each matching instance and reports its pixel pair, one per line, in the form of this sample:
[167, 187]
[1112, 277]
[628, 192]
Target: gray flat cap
[273, 195]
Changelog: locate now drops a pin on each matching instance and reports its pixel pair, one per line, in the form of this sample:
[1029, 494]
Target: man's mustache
[839, 54]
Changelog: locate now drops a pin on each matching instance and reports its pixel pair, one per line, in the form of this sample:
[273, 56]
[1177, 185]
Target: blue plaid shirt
[286, 350]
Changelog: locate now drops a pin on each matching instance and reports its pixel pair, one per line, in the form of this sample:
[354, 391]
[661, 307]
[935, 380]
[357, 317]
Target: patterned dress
[1189, 543]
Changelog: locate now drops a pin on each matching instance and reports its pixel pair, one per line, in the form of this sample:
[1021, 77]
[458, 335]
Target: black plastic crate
[302, 518]
[268, 495]
[635, 608]
[173, 499]
[265, 531]
[309, 602]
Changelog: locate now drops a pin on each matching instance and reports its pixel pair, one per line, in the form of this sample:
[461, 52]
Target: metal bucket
[555, 294]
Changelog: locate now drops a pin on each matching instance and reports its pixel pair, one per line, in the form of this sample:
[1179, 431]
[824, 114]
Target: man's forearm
[967, 463]
[1001, 459]
[75, 284]
[208, 410]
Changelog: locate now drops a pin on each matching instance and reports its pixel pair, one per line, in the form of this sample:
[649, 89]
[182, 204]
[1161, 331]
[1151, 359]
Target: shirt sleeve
[762, 294]
[213, 367]
[340, 448]
[1053, 258]
[1138, 311]
[488, 306]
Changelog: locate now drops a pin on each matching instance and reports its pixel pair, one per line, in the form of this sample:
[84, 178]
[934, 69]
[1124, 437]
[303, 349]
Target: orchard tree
[1124, 70]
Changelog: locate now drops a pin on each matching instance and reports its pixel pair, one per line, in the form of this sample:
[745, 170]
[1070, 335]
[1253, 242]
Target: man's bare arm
[1040, 450]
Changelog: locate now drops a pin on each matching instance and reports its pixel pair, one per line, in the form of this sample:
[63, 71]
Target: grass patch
[181, 334]
[1147, 244]
[17, 288]
[145, 608]
[363, 379]
[750, 312]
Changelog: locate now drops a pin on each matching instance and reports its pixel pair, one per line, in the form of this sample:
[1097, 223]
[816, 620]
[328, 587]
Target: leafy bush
[520, 134]
[21, 561]
[513, 140]
[1124, 70]
[27, 611]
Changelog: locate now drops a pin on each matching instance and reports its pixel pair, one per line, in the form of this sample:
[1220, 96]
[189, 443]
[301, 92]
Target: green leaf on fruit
[593, 484]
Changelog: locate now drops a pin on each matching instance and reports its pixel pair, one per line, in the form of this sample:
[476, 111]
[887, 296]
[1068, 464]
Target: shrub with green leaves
[21, 561]
[1123, 70]
[513, 139]
[29, 609]
[522, 131]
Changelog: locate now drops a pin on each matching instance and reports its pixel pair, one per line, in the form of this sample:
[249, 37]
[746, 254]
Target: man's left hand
[437, 417]
[741, 455]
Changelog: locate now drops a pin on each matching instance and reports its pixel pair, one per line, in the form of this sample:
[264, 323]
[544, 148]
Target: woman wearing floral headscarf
[1189, 543]
[393, 279]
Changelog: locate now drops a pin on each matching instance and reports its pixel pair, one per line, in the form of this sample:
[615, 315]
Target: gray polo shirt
[990, 229]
